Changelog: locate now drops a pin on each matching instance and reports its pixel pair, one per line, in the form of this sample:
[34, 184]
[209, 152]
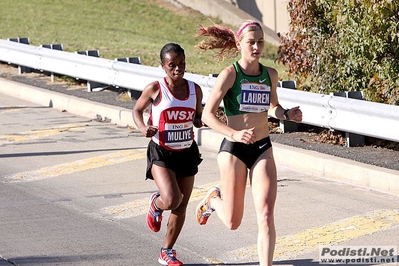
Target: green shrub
[344, 45]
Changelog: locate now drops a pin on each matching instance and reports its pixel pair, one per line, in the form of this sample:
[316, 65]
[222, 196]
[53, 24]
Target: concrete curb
[310, 162]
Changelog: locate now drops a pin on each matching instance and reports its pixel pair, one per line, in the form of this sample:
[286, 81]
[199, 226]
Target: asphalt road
[72, 192]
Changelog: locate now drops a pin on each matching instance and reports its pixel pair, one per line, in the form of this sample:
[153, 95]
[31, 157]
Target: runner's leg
[263, 176]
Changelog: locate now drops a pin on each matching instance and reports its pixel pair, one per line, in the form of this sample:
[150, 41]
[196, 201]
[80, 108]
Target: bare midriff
[246, 121]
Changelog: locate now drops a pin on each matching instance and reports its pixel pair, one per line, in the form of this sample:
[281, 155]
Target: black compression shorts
[247, 153]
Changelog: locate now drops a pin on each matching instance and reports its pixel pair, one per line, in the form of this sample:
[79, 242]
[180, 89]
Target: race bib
[178, 135]
[255, 97]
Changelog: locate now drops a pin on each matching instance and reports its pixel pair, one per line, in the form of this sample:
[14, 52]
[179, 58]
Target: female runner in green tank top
[248, 90]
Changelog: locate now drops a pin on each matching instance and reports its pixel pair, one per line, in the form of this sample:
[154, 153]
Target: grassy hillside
[117, 28]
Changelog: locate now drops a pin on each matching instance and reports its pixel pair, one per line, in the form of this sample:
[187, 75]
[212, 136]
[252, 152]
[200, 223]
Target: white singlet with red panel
[174, 117]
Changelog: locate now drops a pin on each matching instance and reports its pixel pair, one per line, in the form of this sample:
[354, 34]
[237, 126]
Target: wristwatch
[286, 114]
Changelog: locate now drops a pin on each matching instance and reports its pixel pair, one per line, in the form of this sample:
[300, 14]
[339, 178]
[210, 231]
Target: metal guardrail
[101, 70]
[345, 114]
[327, 111]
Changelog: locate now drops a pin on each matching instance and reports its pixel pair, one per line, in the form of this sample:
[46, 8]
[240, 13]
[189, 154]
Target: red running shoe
[168, 257]
[154, 215]
[204, 209]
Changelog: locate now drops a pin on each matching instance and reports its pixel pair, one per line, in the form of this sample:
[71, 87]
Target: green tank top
[249, 94]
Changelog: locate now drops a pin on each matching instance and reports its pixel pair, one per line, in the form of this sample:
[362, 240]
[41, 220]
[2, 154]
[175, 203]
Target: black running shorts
[183, 162]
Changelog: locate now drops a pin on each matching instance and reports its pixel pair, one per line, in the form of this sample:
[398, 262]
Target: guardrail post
[92, 85]
[352, 139]
[287, 126]
[21, 69]
[134, 60]
[131, 60]
[58, 47]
